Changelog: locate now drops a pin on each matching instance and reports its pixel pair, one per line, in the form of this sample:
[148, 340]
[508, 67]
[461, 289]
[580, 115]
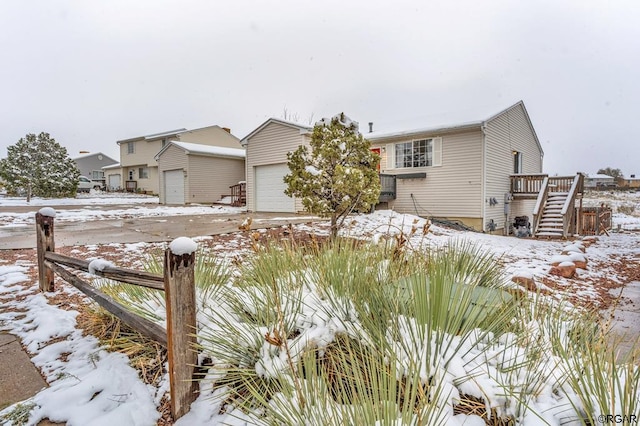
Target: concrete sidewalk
[20, 378]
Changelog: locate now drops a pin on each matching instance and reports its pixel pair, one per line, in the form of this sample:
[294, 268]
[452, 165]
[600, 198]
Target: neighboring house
[138, 166]
[631, 182]
[266, 164]
[459, 172]
[196, 173]
[594, 181]
[91, 164]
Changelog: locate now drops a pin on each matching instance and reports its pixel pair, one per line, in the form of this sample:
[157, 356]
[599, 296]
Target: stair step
[550, 215]
[557, 194]
[549, 230]
[551, 220]
[549, 234]
[555, 202]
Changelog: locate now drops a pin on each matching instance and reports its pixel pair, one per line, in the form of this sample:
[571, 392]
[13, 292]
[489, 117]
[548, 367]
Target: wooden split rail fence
[178, 284]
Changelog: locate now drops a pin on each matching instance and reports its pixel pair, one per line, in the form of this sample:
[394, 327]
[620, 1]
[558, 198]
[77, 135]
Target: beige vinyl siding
[505, 133]
[451, 190]
[212, 136]
[270, 146]
[173, 158]
[210, 177]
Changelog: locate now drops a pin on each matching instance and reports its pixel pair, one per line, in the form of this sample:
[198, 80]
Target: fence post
[179, 286]
[44, 243]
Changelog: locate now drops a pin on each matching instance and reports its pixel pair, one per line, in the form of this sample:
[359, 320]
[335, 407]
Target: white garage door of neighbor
[174, 187]
[270, 196]
[114, 182]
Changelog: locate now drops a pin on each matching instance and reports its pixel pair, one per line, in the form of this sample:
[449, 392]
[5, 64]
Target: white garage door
[270, 196]
[174, 187]
[114, 182]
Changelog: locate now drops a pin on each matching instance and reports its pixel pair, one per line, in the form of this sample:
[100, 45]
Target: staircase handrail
[569, 204]
[540, 202]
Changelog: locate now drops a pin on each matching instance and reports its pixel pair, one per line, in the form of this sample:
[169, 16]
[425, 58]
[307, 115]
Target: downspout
[483, 183]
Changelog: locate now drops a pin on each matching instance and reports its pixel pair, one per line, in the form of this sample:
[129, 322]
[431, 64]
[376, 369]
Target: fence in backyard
[595, 220]
[178, 284]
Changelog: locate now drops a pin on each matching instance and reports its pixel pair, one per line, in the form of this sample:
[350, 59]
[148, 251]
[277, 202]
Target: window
[97, 174]
[131, 148]
[517, 162]
[418, 153]
[143, 173]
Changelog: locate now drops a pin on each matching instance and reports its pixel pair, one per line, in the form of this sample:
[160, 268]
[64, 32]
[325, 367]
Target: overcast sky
[93, 72]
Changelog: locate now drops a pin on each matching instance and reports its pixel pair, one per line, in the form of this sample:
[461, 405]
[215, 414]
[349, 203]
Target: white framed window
[143, 173]
[416, 153]
[97, 174]
[131, 148]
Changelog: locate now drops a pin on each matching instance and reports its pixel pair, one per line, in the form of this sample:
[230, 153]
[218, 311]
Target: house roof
[462, 119]
[208, 150]
[111, 166]
[598, 176]
[152, 135]
[303, 128]
[93, 154]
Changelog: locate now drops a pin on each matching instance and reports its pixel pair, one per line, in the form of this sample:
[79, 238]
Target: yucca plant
[343, 330]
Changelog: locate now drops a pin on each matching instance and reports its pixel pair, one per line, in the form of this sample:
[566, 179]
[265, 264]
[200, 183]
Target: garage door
[270, 196]
[174, 187]
[114, 182]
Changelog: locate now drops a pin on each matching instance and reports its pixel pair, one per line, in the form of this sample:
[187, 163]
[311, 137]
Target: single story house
[460, 171]
[628, 182]
[196, 173]
[598, 180]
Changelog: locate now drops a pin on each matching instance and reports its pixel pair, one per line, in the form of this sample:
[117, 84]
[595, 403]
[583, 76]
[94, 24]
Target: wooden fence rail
[178, 284]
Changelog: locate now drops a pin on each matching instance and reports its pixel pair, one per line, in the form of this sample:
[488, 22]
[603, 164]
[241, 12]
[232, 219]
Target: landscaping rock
[559, 258]
[564, 269]
[525, 280]
[579, 259]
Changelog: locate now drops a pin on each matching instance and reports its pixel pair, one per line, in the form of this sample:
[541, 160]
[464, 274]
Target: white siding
[270, 146]
[506, 133]
[451, 190]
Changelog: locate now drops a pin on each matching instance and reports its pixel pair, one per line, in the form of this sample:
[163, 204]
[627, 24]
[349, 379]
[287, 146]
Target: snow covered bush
[339, 176]
[39, 166]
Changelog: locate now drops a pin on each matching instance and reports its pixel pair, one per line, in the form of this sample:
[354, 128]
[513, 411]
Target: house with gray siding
[91, 164]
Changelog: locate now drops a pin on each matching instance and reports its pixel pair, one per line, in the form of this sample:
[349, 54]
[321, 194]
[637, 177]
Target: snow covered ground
[89, 385]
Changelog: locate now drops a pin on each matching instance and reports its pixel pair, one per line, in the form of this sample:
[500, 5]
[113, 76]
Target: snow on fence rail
[177, 282]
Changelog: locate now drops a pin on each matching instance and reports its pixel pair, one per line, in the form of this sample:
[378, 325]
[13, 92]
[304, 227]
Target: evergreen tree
[39, 166]
[339, 176]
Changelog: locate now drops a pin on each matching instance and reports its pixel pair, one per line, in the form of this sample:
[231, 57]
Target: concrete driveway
[149, 229]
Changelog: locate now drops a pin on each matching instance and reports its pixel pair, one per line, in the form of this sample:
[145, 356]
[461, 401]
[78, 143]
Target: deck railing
[238, 194]
[568, 212]
[527, 184]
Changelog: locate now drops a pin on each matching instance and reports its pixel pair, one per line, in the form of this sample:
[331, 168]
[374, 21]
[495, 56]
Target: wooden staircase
[555, 214]
[551, 223]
